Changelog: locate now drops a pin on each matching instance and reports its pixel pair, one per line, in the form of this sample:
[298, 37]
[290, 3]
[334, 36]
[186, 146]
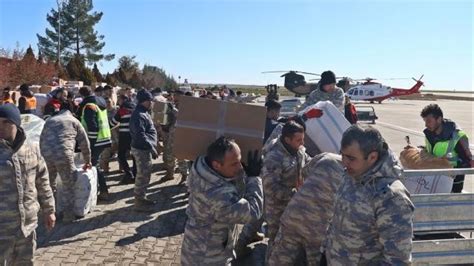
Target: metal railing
[430, 172]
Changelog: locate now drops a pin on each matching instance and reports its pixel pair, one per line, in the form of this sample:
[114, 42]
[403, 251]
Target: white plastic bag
[85, 192]
[32, 125]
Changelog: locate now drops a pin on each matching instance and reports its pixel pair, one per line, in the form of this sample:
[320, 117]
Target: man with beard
[221, 196]
[443, 138]
[373, 213]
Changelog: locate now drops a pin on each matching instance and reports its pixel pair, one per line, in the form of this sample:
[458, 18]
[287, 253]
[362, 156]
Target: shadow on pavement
[168, 198]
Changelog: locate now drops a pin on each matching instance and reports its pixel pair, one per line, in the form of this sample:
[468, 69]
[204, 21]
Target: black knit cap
[11, 112]
[327, 77]
[144, 95]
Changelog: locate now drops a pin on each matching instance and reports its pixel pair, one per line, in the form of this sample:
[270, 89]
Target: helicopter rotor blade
[308, 73]
[276, 71]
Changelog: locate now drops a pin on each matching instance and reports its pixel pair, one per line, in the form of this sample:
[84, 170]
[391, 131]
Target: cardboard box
[201, 121]
[158, 113]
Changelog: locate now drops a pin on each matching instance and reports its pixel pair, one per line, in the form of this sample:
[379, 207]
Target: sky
[233, 41]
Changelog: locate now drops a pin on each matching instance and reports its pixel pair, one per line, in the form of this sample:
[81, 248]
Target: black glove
[254, 164]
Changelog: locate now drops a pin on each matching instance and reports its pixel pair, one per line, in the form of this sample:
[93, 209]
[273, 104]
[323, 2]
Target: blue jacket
[142, 130]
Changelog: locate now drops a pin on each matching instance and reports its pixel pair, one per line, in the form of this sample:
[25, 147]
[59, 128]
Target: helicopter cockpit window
[356, 92]
[371, 93]
[350, 92]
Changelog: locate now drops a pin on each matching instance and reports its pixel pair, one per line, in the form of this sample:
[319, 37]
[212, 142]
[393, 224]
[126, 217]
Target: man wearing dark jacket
[144, 140]
[273, 112]
[443, 138]
[122, 118]
[93, 115]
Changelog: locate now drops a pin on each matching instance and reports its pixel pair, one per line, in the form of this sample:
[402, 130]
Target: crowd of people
[338, 209]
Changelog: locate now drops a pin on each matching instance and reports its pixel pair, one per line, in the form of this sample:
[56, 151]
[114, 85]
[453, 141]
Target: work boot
[144, 204]
[103, 196]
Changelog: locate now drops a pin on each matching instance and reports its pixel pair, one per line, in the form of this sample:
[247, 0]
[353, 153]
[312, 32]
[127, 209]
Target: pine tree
[97, 75]
[110, 79]
[74, 68]
[40, 58]
[29, 55]
[78, 37]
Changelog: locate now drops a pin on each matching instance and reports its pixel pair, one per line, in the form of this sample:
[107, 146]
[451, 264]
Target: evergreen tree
[110, 79]
[78, 37]
[74, 68]
[135, 81]
[29, 55]
[40, 58]
[97, 75]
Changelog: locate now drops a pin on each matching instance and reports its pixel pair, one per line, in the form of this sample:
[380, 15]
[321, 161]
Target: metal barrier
[430, 172]
[440, 218]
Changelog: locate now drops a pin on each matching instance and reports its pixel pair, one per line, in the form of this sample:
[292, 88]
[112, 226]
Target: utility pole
[59, 3]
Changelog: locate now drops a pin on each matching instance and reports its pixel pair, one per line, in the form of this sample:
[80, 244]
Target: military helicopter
[295, 82]
[372, 91]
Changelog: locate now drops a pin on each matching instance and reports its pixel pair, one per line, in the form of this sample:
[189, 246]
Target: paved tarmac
[114, 234]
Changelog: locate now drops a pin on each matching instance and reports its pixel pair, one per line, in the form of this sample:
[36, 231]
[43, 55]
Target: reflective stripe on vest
[104, 133]
[446, 148]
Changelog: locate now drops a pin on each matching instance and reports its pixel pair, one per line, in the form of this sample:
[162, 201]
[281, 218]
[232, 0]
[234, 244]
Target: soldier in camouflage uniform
[373, 213]
[58, 140]
[24, 188]
[283, 162]
[144, 140]
[306, 218]
[221, 196]
[168, 139]
[326, 91]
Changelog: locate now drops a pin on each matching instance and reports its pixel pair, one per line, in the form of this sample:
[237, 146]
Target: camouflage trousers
[168, 156]
[109, 152]
[65, 168]
[272, 216]
[18, 250]
[144, 169]
[290, 248]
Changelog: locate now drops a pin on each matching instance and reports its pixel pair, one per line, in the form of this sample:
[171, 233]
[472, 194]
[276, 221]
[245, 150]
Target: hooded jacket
[91, 119]
[24, 187]
[373, 218]
[216, 205]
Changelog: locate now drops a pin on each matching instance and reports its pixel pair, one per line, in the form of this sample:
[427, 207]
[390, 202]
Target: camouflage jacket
[60, 134]
[373, 219]
[318, 95]
[24, 187]
[308, 213]
[216, 205]
[281, 172]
